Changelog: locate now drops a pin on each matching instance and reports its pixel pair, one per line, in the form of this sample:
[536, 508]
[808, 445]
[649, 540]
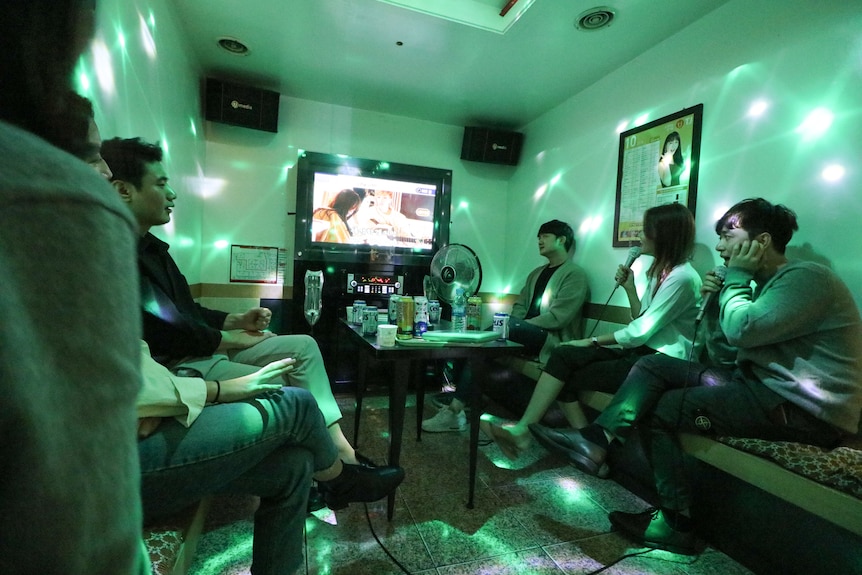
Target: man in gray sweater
[798, 373]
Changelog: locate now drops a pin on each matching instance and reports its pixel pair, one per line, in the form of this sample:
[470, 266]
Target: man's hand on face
[746, 255]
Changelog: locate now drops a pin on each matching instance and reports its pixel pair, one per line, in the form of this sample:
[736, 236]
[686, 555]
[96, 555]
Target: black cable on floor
[379, 542]
[626, 556]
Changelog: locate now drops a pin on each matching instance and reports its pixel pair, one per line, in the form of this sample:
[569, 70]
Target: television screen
[353, 209]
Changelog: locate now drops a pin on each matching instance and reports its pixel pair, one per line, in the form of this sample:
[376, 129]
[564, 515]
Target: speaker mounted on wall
[240, 105]
[491, 146]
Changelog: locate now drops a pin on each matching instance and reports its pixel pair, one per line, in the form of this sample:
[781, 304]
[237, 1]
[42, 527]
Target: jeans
[666, 395]
[267, 446]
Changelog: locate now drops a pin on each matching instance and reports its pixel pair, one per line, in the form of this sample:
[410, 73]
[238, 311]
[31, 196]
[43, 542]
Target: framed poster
[256, 264]
[658, 164]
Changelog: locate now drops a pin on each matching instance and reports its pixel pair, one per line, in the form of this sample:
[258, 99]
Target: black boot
[358, 483]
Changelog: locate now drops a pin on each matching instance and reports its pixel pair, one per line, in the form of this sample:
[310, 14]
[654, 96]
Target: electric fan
[454, 266]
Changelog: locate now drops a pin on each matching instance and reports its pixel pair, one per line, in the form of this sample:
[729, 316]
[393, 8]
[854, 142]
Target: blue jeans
[267, 446]
[666, 395]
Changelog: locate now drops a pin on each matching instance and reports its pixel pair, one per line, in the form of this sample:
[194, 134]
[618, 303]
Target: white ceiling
[344, 52]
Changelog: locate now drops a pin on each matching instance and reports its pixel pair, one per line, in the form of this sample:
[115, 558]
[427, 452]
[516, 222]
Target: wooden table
[408, 362]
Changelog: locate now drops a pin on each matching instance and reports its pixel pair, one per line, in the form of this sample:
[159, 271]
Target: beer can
[369, 320]
[474, 313]
[433, 312]
[405, 317]
[393, 309]
[501, 325]
[420, 315]
[358, 305]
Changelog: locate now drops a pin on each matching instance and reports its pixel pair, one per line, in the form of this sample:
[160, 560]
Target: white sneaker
[445, 420]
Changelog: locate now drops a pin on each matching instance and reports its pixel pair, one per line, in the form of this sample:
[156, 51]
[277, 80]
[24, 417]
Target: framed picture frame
[658, 164]
[256, 264]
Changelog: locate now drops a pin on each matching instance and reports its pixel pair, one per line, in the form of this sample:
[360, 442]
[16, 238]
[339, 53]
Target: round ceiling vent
[233, 46]
[595, 19]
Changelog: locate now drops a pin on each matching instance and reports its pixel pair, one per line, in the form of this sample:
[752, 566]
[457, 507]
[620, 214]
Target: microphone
[634, 253]
[720, 273]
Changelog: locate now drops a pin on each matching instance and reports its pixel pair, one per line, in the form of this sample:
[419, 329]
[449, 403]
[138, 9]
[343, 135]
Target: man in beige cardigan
[548, 311]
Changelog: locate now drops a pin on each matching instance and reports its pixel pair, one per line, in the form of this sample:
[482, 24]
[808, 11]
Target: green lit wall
[144, 83]
[761, 68]
[781, 86]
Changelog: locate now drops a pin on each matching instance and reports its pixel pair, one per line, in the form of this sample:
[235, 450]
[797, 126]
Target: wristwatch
[596, 342]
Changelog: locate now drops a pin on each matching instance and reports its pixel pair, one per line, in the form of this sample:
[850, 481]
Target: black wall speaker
[492, 146]
[241, 105]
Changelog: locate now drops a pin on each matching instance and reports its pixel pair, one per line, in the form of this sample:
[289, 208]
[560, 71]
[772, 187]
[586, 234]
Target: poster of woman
[658, 164]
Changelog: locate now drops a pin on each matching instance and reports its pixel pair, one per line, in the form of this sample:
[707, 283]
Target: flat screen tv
[355, 209]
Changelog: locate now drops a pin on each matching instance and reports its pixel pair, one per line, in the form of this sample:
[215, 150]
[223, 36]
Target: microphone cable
[602, 313]
[634, 253]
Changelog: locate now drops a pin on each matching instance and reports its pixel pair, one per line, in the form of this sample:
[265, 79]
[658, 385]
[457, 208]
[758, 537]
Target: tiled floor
[538, 516]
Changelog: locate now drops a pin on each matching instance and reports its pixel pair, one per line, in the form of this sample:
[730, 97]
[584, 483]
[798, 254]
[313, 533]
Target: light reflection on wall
[641, 120]
[104, 69]
[147, 39]
[815, 124]
[590, 225]
[758, 108]
[833, 173]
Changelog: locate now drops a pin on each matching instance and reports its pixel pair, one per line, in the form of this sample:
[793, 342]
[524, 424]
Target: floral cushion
[164, 544]
[839, 468]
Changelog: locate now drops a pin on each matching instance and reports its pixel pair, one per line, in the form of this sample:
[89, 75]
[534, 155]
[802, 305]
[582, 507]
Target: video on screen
[372, 211]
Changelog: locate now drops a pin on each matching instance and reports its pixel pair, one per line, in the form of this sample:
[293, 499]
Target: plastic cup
[350, 314]
[386, 335]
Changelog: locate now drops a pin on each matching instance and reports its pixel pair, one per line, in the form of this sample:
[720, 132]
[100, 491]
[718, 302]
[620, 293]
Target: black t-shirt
[539, 291]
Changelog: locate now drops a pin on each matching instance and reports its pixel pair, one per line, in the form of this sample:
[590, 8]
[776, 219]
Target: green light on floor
[237, 548]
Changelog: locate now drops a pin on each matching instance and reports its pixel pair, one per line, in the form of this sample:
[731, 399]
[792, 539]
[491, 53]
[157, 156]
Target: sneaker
[444, 399]
[445, 420]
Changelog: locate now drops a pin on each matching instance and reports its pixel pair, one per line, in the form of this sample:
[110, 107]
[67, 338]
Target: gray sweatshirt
[800, 335]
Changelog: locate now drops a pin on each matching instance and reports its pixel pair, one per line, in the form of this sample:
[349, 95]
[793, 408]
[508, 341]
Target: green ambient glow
[220, 244]
[815, 124]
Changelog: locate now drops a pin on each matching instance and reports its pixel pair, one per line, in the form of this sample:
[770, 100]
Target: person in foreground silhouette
[69, 373]
[798, 374]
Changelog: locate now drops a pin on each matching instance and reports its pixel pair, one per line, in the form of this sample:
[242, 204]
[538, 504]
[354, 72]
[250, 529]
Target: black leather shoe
[364, 461]
[315, 500]
[584, 454]
[651, 529]
[358, 483]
